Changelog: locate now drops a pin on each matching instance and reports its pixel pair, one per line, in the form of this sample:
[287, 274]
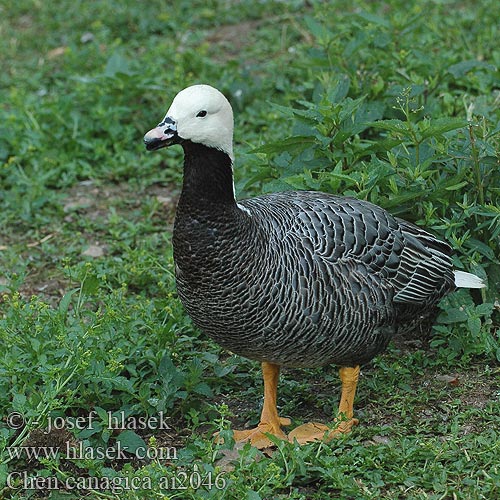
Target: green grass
[391, 102]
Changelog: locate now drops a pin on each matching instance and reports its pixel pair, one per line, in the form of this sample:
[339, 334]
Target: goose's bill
[160, 137]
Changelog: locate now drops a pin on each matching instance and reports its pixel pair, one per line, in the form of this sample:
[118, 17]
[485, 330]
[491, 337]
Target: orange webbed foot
[258, 436]
[315, 431]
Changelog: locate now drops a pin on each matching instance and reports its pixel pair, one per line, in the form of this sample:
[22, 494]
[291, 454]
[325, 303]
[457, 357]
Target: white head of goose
[200, 114]
[295, 278]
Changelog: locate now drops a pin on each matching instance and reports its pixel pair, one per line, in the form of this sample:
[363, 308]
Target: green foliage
[391, 102]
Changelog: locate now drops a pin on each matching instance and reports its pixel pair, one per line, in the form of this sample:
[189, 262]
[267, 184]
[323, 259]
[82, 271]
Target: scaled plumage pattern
[295, 278]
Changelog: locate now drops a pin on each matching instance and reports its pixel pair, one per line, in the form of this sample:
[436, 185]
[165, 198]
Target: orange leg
[349, 377]
[313, 431]
[270, 421]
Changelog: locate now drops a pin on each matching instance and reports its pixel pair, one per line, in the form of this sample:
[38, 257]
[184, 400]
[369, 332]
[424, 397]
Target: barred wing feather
[425, 272]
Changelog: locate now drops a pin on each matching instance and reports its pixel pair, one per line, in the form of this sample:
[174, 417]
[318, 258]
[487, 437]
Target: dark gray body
[305, 278]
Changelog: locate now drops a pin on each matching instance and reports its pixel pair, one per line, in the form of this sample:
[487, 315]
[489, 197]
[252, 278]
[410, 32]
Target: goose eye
[201, 114]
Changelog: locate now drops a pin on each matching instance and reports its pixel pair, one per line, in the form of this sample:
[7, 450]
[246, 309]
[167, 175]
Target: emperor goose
[298, 279]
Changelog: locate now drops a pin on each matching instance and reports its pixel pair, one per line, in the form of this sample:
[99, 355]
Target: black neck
[208, 176]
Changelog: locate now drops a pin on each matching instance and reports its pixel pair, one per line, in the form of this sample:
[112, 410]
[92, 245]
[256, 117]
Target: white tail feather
[468, 280]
